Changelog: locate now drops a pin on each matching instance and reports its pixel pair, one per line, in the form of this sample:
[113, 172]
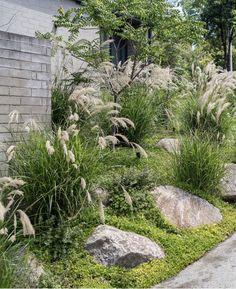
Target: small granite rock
[183, 209]
[28, 270]
[111, 246]
[229, 183]
[169, 144]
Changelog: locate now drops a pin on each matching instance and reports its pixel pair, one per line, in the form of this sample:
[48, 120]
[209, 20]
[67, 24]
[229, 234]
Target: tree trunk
[230, 46]
[223, 34]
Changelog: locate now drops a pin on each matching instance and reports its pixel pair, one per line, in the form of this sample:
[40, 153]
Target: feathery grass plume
[12, 238]
[64, 136]
[117, 78]
[16, 192]
[31, 124]
[84, 97]
[95, 127]
[74, 117]
[4, 180]
[113, 112]
[65, 150]
[2, 212]
[101, 212]
[139, 149]
[59, 133]
[14, 117]
[123, 137]
[71, 156]
[158, 77]
[10, 152]
[88, 197]
[15, 224]
[127, 198]
[210, 106]
[221, 109]
[102, 142]
[28, 229]
[83, 183]
[82, 92]
[111, 138]
[49, 148]
[122, 121]
[10, 203]
[4, 231]
[198, 117]
[72, 129]
[15, 183]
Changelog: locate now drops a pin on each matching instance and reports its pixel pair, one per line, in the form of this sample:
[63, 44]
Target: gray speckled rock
[28, 270]
[184, 210]
[169, 144]
[229, 183]
[111, 246]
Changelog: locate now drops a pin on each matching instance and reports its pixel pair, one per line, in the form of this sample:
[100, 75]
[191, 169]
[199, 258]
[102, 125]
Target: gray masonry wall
[28, 16]
[25, 65]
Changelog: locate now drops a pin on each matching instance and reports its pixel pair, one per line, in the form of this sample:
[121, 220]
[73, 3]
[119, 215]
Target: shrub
[57, 168]
[199, 163]
[138, 105]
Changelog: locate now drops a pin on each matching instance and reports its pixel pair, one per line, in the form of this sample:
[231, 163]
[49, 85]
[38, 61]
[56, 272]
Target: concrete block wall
[25, 70]
[28, 16]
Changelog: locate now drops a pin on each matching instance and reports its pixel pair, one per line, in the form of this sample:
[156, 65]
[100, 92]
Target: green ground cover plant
[182, 246]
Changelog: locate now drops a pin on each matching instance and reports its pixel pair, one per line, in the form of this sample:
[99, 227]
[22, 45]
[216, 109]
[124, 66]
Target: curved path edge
[216, 269]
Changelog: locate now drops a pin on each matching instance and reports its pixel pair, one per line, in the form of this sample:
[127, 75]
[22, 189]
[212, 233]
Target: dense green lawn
[182, 247]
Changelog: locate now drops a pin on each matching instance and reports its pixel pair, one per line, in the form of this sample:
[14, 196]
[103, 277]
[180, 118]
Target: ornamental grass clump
[59, 166]
[138, 104]
[199, 163]
[101, 121]
[210, 105]
[54, 165]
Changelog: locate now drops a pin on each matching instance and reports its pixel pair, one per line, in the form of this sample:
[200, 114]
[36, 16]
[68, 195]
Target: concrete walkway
[216, 269]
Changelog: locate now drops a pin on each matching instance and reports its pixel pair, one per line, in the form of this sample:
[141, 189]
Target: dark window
[119, 50]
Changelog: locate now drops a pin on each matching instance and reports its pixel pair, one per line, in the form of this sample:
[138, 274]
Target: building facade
[25, 17]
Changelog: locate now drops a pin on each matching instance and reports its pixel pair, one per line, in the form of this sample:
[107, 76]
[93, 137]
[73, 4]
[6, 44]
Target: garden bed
[181, 246]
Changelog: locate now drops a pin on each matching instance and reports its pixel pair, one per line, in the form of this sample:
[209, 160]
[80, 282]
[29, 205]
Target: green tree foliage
[130, 20]
[219, 18]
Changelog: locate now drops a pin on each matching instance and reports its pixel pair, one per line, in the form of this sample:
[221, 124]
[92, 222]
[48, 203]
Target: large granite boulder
[184, 210]
[169, 144]
[111, 246]
[229, 183]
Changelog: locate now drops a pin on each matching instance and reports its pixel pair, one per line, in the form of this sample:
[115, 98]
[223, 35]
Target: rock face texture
[28, 270]
[229, 183]
[111, 246]
[169, 144]
[184, 210]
